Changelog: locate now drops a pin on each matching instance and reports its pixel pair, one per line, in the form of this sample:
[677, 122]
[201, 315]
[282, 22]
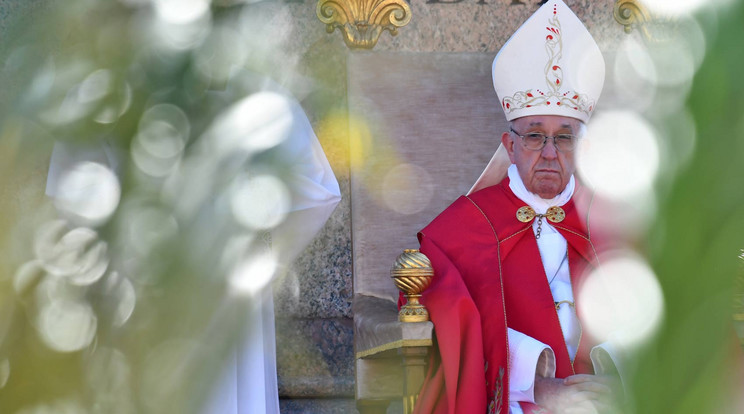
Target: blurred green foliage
[694, 365]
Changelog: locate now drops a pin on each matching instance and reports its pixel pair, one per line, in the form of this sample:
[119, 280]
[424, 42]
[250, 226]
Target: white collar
[540, 205]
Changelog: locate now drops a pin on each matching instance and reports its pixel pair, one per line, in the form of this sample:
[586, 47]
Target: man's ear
[508, 142]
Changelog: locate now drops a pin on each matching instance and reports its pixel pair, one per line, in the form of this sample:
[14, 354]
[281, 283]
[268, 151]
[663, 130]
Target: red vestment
[488, 276]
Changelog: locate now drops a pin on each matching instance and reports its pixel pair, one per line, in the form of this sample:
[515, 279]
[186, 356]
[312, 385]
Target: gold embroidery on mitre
[553, 78]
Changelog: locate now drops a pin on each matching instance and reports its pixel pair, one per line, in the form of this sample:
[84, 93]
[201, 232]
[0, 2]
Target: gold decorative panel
[362, 21]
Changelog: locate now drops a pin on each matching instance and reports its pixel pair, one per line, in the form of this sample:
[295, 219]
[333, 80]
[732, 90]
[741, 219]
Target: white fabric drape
[248, 383]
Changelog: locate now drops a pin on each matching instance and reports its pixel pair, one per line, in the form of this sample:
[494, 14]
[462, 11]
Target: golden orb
[412, 274]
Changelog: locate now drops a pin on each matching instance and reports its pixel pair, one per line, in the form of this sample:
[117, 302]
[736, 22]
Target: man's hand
[578, 394]
[611, 382]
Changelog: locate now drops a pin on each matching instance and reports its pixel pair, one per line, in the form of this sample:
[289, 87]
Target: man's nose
[549, 151]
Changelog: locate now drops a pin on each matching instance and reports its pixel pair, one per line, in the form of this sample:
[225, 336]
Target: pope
[510, 256]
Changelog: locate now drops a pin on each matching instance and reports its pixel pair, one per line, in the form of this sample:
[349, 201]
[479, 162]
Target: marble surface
[328, 406]
[315, 357]
[319, 284]
[315, 406]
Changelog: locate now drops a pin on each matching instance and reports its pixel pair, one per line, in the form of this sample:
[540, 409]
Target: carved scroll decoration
[362, 21]
[631, 13]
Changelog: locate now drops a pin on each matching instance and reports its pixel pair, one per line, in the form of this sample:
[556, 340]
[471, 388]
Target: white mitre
[550, 66]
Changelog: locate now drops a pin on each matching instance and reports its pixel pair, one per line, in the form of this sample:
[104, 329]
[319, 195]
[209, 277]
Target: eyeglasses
[536, 141]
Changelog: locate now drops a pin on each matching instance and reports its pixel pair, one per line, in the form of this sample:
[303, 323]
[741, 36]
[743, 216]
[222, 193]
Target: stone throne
[434, 123]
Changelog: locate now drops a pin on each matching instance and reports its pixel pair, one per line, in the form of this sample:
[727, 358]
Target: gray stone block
[317, 406]
[315, 358]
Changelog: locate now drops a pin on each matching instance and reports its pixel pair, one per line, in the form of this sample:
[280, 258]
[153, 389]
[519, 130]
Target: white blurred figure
[249, 383]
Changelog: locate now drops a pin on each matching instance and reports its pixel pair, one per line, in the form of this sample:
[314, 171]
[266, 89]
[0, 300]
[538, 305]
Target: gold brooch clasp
[525, 214]
[555, 214]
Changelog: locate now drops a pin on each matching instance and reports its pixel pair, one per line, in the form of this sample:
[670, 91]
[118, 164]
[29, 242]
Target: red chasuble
[488, 276]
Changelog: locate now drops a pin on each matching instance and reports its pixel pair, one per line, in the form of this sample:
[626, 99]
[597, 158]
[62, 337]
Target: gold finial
[362, 21]
[412, 273]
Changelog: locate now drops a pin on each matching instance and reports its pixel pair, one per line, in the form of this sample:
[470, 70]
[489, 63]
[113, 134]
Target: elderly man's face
[545, 172]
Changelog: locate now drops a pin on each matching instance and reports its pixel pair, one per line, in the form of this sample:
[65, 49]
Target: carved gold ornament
[412, 274]
[362, 21]
[631, 13]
